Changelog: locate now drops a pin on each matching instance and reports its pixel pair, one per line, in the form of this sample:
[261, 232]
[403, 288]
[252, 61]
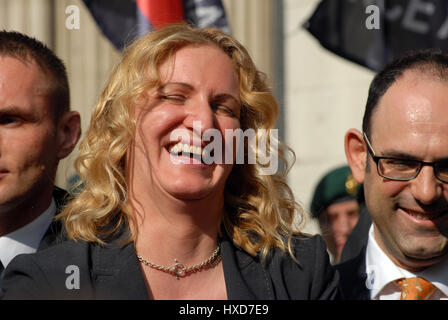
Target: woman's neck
[182, 230]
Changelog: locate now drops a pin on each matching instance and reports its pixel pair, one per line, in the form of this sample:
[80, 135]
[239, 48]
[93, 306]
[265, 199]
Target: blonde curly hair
[261, 212]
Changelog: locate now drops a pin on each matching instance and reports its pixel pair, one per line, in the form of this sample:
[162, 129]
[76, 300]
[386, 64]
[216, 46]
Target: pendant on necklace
[179, 269]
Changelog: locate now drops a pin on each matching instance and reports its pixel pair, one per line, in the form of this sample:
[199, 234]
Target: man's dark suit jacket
[357, 239]
[353, 277]
[54, 231]
[113, 272]
[352, 268]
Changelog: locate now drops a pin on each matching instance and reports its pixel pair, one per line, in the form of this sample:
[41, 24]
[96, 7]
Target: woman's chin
[193, 185]
[190, 191]
[190, 195]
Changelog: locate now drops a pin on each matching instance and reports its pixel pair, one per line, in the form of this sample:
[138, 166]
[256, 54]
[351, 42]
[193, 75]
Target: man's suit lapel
[353, 278]
[54, 234]
[361, 289]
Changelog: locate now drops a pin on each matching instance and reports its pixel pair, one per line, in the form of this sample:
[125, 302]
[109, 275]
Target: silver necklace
[180, 270]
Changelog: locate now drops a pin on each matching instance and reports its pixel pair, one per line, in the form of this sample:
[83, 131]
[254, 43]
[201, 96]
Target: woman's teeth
[185, 148]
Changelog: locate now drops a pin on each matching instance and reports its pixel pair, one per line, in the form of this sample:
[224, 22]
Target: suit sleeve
[24, 280]
[61, 272]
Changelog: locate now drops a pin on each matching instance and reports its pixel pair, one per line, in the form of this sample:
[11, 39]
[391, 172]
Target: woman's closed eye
[223, 109]
[225, 104]
[176, 98]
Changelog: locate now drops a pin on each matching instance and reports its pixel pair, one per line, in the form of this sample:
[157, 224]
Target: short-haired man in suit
[37, 129]
[401, 157]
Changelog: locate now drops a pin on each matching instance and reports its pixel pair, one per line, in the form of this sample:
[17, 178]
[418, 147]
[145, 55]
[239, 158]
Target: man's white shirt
[382, 273]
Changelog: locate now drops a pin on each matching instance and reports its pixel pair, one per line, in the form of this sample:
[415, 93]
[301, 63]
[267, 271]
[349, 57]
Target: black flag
[373, 32]
[121, 21]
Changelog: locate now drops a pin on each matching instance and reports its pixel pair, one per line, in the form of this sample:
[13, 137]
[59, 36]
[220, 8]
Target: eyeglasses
[405, 169]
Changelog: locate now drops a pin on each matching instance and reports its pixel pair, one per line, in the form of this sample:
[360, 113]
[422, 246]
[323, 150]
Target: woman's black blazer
[82, 270]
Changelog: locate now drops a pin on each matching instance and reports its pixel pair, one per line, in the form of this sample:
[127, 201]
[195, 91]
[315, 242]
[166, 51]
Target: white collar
[27, 238]
[381, 270]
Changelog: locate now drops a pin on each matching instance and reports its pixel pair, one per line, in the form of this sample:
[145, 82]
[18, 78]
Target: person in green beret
[336, 207]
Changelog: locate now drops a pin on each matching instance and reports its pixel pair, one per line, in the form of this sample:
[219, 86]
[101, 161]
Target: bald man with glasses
[401, 157]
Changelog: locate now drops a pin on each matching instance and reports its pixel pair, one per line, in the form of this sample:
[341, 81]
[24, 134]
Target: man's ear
[69, 131]
[355, 151]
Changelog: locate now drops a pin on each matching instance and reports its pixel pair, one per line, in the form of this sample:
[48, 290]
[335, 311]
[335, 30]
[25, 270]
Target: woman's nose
[200, 115]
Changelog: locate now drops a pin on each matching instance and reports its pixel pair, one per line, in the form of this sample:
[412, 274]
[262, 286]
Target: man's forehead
[24, 88]
[412, 118]
[17, 74]
[415, 99]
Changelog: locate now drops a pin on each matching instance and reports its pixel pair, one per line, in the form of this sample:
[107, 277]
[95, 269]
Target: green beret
[336, 186]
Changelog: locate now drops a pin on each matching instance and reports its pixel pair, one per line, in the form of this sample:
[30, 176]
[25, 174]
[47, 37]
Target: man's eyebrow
[13, 110]
[397, 154]
[406, 156]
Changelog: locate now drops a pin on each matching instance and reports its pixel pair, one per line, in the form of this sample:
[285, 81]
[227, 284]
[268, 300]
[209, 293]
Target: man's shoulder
[67, 250]
[44, 274]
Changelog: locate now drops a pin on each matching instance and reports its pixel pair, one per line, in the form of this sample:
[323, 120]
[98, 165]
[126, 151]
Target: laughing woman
[165, 211]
